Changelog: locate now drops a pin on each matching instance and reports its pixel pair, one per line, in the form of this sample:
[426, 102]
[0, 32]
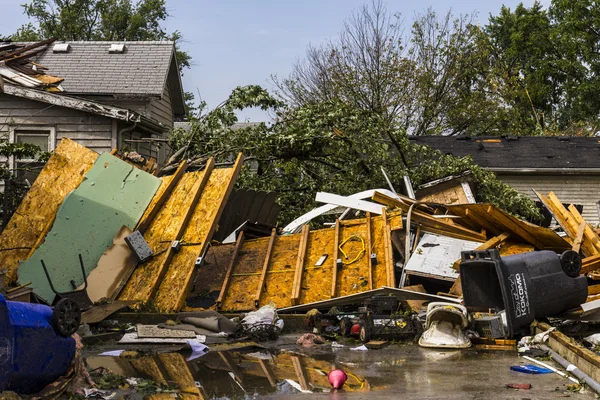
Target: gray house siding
[92, 131]
[161, 109]
[577, 189]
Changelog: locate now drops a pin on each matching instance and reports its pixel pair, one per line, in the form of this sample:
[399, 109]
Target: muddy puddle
[252, 373]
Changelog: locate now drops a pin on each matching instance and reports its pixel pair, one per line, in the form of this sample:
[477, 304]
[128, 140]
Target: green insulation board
[112, 194]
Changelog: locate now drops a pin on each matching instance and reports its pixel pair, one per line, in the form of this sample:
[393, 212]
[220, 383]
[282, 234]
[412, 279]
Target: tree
[326, 145]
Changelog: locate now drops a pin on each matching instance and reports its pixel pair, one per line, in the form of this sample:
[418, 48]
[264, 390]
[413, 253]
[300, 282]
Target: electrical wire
[361, 253]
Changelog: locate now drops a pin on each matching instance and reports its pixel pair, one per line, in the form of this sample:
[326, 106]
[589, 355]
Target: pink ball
[337, 378]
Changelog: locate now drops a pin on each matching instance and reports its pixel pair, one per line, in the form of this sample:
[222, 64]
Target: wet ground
[283, 369]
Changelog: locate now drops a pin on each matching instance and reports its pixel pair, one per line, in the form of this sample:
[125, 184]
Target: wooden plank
[503, 220]
[263, 275]
[162, 270]
[355, 204]
[489, 244]
[369, 250]
[303, 377]
[149, 217]
[389, 254]
[474, 216]
[427, 220]
[173, 291]
[113, 151]
[588, 232]
[234, 256]
[297, 286]
[579, 237]
[336, 243]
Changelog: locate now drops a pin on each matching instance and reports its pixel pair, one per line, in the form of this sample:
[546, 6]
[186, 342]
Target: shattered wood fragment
[579, 237]
[588, 232]
[490, 244]
[63, 172]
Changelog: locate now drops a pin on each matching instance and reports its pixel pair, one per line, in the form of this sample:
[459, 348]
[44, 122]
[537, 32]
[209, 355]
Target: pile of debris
[18, 68]
[99, 233]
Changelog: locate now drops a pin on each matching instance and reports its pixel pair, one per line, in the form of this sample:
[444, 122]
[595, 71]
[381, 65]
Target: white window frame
[50, 131]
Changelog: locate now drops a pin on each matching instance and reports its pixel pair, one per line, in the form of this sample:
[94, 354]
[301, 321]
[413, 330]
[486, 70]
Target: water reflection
[231, 374]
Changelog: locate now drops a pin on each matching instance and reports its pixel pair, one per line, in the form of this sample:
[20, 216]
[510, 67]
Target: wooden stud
[416, 241]
[263, 275]
[267, 371]
[234, 256]
[389, 254]
[579, 237]
[336, 242]
[113, 152]
[162, 270]
[301, 374]
[369, 249]
[297, 286]
[145, 223]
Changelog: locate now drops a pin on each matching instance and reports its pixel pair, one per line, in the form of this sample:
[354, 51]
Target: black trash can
[522, 287]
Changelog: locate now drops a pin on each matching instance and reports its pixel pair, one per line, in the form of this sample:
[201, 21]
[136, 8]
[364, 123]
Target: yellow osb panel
[63, 172]
[173, 290]
[159, 236]
[165, 180]
[179, 372]
[316, 281]
[250, 261]
[279, 281]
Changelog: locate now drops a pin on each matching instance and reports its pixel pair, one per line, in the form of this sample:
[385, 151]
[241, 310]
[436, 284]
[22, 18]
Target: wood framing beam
[369, 250]
[162, 270]
[389, 253]
[336, 250]
[504, 221]
[297, 286]
[144, 224]
[268, 373]
[263, 275]
[490, 244]
[588, 233]
[230, 267]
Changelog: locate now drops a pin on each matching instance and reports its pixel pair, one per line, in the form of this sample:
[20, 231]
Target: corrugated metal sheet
[582, 189]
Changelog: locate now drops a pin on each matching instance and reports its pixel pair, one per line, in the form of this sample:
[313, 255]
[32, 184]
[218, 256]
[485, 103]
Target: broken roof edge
[89, 106]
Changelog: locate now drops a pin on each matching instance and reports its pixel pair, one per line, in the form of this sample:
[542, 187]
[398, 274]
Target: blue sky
[236, 43]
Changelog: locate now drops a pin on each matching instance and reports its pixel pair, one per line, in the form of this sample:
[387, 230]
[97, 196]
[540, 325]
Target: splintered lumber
[63, 172]
[590, 264]
[234, 256]
[263, 276]
[565, 219]
[540, 237]
[490, 244]
[336, 242]
[588, 232]
[579, 237]
[317, 278]
[178, 279]
[428, 222]
[300, 265]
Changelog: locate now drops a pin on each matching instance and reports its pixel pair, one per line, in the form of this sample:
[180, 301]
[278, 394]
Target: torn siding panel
[112, 194]
[63, 172]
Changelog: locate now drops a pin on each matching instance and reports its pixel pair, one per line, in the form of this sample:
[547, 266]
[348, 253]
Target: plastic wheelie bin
[32, 353]
[522, 287]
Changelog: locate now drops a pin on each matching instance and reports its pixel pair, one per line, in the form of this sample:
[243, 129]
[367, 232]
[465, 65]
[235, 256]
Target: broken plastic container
[32, 354]
[524, 286]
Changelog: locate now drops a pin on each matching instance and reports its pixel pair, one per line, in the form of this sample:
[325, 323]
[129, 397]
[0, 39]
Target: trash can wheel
[571, 263]
[66, 317]
[365, 333]
[345, 326]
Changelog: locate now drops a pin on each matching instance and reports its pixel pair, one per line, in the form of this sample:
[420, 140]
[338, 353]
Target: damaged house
[102, 95]
[569, 166]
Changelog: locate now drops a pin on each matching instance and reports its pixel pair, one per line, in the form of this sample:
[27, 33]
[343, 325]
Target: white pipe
[551, 368]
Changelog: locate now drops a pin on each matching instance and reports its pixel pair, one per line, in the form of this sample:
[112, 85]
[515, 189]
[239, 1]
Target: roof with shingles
[88, 67]
[525, 152]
